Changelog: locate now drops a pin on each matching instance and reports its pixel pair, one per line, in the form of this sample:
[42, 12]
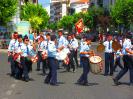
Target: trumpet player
[109, 56]
[85, 52]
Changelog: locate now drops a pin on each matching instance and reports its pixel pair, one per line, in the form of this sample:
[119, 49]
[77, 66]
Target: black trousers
[75, 56]
[117, 63]
[86, 69]
[12, 63]
[128, 65]
[27, 66]
[52, 75]
[41, 60]
[109, 63]
[71, 62]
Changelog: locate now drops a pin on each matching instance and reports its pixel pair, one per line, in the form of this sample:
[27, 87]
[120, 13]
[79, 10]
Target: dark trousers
[117, 63]
[128, 65]
[26, 67]
[86, 69]
[19, 70]
[109, 63]
[12, 63]
[52, 76]
[40, 60]
[71, 62]
[75, 56]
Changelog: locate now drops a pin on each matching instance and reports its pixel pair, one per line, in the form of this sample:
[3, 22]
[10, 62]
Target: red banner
[79, 26]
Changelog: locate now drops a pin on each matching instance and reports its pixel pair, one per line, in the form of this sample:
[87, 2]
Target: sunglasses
[27, 40]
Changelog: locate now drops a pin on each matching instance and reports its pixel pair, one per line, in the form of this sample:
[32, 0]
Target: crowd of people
[55, 52]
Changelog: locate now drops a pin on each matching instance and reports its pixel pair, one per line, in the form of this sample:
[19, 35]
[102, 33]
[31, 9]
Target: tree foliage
[8, 9]
[36, 15]
[122, 12]
[66, 22]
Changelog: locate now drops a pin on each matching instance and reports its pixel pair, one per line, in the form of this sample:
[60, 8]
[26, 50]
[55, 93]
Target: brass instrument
[100, 47]
[116, 45]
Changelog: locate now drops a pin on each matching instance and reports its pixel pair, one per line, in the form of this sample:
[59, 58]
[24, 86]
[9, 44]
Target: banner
[23, 28]
[79, 26]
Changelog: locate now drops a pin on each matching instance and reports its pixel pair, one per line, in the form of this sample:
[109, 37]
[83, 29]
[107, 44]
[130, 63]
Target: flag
[79, 26]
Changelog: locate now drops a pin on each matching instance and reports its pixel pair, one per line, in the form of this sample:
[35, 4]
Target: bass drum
[96, 64]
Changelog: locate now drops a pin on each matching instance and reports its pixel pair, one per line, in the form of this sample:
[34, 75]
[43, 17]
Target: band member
[70, 55]
[85, 52]
[74, 44]
[52, 62]
[118, 55]
[117, 60]
[62, 43]
[42, 45]
[128, 61]
[25, 61]
[109, 56]
[11, 52]
[19, 69]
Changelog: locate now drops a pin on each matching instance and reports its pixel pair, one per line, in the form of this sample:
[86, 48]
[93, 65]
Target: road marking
[9, 92]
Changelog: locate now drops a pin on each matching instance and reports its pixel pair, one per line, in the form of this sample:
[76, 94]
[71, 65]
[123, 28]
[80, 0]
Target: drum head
[95, 59]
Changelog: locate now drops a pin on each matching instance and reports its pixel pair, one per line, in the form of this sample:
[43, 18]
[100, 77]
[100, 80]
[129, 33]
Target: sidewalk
[3, 50]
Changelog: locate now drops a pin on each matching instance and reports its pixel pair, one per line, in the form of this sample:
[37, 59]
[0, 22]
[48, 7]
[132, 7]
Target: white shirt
[42, 46]
[84, 48]
[25, 51]
[74, 43]
[107, 49]
[62, 42]
[18, 46]
[11, 46]
[126, 44]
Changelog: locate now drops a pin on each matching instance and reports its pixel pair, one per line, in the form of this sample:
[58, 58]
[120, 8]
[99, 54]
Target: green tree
[66, 22]
[36, 15]
[122, 12]
[8, 9]
[52, 26]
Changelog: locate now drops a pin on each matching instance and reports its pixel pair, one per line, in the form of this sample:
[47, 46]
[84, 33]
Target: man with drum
[52, 62]
[128, 61]
[109, 56]
[11, 52]
[25, 61]
[42, 45]
[17, 56]
[62, 44]
[85, 52]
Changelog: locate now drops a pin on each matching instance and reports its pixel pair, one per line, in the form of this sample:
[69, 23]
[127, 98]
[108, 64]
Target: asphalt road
[101, 87]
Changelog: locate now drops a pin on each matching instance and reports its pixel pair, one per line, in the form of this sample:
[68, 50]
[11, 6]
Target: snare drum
[95, 65]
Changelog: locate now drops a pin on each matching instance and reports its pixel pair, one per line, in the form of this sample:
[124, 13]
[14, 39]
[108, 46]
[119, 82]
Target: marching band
[53, 52]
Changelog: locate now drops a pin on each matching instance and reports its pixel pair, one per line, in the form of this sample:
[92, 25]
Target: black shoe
[37, 69]
[110, 74]
[86, 84]
[116, 82]
[105, 74]
[46, 82]
[12, 75]
[52, 84]
[131, 84]
[26, 80]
